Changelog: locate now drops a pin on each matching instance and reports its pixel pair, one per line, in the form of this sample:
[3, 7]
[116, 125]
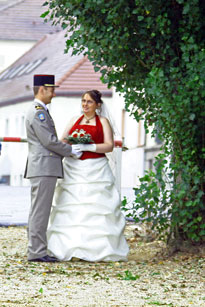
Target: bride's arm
[108, 144]
[67, 129]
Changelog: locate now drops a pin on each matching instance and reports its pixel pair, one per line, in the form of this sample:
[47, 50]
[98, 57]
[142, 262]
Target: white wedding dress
[86, 221]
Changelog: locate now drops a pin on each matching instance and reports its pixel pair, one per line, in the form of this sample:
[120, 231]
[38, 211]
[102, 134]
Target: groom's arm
[46, 135]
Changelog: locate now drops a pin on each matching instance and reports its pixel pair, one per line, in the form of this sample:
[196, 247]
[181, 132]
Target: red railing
[12, 139]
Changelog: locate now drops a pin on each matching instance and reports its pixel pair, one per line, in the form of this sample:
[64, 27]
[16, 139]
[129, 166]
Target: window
[20, 70]
[16, 70]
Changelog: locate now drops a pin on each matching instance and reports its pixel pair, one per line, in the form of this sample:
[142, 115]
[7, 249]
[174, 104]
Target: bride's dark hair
[95, 95]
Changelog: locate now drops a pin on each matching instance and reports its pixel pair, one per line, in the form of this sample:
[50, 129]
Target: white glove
[84, 147]
[75, 154]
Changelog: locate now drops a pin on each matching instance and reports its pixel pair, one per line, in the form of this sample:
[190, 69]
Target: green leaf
[96, 68]
[135, 11]
[140, 18]
[64, 25]
[186, 8]
[130, 276]
[103, 71]
[44, 14]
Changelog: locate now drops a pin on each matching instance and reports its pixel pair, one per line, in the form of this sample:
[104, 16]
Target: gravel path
[145, 280]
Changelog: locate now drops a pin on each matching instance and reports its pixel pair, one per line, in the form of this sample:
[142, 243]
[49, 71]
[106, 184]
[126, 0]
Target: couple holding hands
[79, 217]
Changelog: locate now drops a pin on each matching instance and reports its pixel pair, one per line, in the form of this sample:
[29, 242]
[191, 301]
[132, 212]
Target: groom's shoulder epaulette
[39, 108]
[41, 115]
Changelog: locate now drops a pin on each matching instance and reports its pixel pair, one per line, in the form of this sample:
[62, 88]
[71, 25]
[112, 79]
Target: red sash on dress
[96, 133]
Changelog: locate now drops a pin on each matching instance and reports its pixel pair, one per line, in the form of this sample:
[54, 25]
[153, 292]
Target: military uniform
[44, 166]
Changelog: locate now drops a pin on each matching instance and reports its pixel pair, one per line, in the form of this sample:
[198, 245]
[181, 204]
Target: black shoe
[44, 259]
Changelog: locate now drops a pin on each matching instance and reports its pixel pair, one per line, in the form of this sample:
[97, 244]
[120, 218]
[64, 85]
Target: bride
[86, 221]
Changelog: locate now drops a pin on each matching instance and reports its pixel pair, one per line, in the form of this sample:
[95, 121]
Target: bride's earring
[99, 109]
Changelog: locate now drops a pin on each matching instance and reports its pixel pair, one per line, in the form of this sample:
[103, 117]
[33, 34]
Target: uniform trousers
[42, 191]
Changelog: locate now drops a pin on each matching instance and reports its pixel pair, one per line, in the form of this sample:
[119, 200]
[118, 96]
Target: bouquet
[79, 137]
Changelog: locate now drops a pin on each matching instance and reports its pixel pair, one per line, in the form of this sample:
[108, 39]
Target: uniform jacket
[45, 151]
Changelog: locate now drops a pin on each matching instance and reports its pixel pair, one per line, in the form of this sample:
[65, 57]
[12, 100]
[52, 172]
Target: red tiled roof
[20, 20]
[74, 74]
[82, 76]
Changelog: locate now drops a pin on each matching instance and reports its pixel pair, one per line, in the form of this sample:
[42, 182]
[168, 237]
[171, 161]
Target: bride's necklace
[88, 119]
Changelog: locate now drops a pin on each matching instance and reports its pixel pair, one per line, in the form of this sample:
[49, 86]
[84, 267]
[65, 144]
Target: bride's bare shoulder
[104, 120]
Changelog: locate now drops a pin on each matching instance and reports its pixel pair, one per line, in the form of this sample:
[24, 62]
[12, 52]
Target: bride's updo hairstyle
[95, 95]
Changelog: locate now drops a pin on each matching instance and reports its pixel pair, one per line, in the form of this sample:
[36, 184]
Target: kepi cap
[44, 80]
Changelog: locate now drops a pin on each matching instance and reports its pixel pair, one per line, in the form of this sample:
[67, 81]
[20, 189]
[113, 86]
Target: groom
[44, 165]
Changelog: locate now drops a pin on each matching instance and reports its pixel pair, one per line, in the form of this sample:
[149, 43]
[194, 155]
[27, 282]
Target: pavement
[15, 204]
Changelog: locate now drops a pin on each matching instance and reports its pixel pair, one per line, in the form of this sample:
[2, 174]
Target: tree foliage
[153, 52]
